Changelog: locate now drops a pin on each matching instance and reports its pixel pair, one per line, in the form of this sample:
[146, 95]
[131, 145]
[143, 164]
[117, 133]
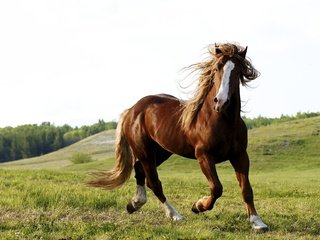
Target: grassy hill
[293, 144]
[100, 146]
[45, 197]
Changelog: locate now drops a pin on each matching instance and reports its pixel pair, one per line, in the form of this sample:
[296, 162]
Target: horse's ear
[217, 50]
[243, 53]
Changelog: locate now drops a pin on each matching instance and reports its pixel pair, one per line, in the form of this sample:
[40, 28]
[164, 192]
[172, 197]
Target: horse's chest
[220, 141]
[222, 148]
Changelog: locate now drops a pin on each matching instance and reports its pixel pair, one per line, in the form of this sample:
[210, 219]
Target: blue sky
[76, 62]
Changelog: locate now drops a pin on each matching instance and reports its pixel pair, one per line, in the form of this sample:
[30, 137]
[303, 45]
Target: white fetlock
[171, 212]
[140, 198]
[257, 223]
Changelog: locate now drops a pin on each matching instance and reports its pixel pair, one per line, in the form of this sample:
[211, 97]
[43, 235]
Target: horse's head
[231, 67]
[219, 80]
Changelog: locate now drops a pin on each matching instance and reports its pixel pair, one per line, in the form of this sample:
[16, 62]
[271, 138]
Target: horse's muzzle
[219, 105]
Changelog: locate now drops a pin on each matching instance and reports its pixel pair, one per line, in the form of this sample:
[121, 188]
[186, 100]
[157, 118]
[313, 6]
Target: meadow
[46, 197]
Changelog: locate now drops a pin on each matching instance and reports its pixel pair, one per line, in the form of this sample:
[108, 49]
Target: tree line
[264, 121]
[35, 140]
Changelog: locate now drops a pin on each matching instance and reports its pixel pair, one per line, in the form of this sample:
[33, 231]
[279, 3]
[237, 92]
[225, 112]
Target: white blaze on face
[223, 92]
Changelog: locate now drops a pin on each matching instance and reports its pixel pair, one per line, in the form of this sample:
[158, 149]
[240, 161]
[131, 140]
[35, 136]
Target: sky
[75, 62]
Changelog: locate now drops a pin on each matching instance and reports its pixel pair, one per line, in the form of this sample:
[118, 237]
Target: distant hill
[294, 144]
[99, 146]
[286, 145]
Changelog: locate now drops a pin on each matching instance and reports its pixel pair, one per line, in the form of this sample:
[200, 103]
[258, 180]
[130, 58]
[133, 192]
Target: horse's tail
[124, 162]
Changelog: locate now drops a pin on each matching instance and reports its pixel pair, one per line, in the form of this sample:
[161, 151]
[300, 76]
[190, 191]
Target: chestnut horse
[207, 127]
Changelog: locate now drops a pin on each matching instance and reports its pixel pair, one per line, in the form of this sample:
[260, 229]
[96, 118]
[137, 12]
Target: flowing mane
[207, 70]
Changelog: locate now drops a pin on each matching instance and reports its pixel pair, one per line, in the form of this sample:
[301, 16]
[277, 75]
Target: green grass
[285, 170]
[80, 158]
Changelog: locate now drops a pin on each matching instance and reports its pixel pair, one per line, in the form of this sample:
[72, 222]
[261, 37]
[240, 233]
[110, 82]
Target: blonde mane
[207, 71]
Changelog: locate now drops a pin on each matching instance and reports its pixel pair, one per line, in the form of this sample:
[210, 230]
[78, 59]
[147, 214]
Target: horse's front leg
[241, 167]
[208, 168]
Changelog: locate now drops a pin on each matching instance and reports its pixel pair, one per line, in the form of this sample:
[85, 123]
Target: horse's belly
[177, 145]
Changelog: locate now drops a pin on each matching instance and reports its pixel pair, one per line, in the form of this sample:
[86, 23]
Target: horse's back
[157, 99]
[157, 104]
[155, 120]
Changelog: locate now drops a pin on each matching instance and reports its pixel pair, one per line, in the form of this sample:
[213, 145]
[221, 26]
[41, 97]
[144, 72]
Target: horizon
[282, 116]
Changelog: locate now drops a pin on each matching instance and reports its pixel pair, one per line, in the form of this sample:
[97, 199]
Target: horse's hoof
[130, 208]
[195, 209]
[177, 218]
[261, 229]
[257, 224]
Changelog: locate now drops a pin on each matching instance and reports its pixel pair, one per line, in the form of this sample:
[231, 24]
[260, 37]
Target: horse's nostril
[215, 99]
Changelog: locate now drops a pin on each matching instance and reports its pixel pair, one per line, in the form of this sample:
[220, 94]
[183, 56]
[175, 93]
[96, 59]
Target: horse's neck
[234, 108]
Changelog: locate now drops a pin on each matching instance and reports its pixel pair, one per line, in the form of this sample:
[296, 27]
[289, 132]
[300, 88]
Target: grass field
[46, 198]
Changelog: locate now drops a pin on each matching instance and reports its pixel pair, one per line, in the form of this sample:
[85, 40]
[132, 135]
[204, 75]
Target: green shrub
[79, 158]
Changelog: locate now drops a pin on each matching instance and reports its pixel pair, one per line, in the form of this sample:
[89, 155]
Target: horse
[207, 127]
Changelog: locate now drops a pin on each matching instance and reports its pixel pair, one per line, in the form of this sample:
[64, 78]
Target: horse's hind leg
[241, 167]
[141, 196]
